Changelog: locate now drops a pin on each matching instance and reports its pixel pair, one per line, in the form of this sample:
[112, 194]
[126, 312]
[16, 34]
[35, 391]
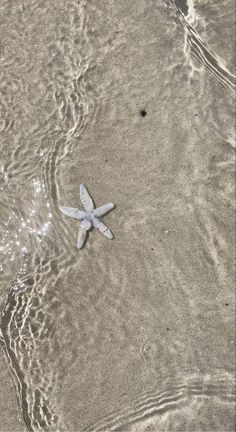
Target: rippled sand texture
[135, 334]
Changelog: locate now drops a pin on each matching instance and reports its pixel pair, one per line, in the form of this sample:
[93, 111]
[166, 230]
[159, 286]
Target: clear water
[136, 334]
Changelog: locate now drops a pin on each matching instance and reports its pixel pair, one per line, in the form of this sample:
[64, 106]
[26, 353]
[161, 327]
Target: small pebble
[143, 113]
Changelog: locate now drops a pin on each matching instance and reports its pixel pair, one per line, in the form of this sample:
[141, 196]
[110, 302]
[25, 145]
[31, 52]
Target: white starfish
[89, 217]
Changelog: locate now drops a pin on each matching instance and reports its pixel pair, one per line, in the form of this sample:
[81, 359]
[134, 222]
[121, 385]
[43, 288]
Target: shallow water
[136, 334]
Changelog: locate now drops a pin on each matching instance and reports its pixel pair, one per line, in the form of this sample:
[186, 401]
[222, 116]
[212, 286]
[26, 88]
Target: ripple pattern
[135, 334]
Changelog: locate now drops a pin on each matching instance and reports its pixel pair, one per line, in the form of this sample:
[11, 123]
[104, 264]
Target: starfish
[89, 217]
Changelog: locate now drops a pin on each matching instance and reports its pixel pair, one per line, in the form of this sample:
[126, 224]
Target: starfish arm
[102, 228]
[81, 237]
[104, 209]
[86, 224]
[73, 212]
[86, 198]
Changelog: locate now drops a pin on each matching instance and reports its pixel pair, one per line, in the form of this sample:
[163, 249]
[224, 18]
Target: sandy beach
[135, 100]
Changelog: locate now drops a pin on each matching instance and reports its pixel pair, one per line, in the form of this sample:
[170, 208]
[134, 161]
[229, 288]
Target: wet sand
[134, 334]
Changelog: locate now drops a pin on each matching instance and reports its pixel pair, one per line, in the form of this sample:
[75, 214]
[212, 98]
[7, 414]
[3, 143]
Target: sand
[134, 334]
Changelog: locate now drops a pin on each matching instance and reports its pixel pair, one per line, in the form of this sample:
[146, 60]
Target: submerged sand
[134, 334]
